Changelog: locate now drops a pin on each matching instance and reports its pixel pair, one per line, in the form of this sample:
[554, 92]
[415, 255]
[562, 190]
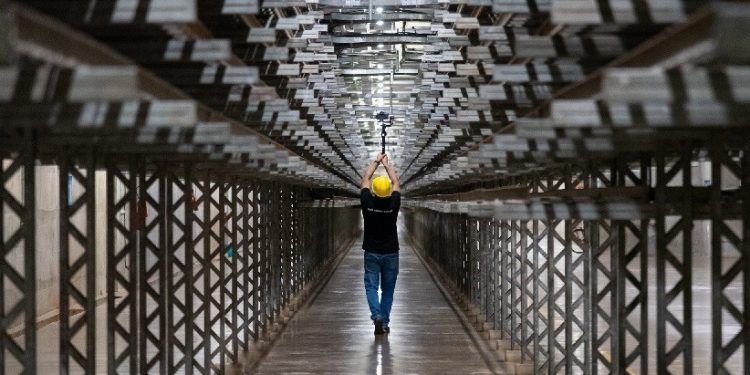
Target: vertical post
[276, 248]
[472, 256]
[242, 276]
[226, 316]
[576, 330]
[506, 296]
[152, 270]
[282, 248]
[557, 252]
[23, 206]
[745, 250]
[199, 298]
[490, 250]
[567, 281]
[179, 266]
[234, 297]
[623, 356]
[225, 313]
[602, 273]
[677, 261]
[496, 274]
[552, 367]
[541, 289]
[208, 270]
[122, 278]
[214, 277]
[255, 233]
[189, 251]
[717, 229]
[272, 237]
[74, 237]
[617, 326]
[640, 252]
[725, 241]
[515, 287]
[28, 223]
[584, 261]
[618, 292]
[296, 231]
[528, 328]
[589, 240]
[485, 260]
[263, 201]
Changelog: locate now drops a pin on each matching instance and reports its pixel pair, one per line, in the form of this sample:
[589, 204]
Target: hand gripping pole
[382, 116]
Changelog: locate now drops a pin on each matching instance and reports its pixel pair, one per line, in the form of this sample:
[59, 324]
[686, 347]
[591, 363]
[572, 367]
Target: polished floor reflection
[334, 334]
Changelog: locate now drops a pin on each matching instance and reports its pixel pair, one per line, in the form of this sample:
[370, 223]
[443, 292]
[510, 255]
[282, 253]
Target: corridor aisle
[334, 335]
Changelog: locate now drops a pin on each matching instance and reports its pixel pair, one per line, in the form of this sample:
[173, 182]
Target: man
[381, 200]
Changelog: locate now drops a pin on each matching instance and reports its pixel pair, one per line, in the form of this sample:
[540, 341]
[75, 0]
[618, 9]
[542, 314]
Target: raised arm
[367, 175]
[391, 174]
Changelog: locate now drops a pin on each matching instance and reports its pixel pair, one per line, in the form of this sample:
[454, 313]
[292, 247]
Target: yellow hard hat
[381, 186]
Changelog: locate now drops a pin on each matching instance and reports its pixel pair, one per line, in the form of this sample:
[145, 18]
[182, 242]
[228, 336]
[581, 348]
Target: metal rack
[540, 144]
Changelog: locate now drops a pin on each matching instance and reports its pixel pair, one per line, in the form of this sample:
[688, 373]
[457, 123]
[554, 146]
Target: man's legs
[372, 275]
[389, 270]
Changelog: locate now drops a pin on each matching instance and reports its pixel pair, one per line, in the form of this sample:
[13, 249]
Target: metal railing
[200, 264]
[595, 272]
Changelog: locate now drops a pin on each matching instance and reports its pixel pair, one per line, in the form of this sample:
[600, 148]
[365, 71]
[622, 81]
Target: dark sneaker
[387, 329]
[379, 327]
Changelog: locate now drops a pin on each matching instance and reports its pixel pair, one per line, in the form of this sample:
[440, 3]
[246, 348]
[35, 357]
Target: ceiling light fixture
[379, 9]
[379, 23]
[381, 45]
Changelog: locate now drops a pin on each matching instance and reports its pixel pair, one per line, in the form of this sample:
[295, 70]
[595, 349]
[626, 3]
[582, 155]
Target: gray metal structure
[541, 144]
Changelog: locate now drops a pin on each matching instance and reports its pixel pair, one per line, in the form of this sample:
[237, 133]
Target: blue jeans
[381, 271]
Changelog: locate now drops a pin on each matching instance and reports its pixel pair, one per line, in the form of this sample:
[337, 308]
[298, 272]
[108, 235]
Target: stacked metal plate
[683, 86]
[86, 94]
[312, 75]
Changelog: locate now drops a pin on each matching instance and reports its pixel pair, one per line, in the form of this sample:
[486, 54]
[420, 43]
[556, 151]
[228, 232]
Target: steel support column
[516, 285]
[212, 245]
[77, 261]
[226, 335]
[17, 254]
[200, 212]
[630, 263]
[528, 304]
[240, 266]
[730, 267]
[122, 280]
[557, 252]
[674, 266]
[600, 241]
[540, 296]
[506, 283]
[179, 265]
[152, 268]
[264, 272]
[253, 221]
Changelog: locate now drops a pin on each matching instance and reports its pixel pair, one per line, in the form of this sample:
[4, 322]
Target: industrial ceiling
[474, 90]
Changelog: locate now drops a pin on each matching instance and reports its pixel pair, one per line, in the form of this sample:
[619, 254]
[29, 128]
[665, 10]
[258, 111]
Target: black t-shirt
[380, 215]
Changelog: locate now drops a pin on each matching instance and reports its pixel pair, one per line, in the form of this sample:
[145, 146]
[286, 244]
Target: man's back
[380, 216]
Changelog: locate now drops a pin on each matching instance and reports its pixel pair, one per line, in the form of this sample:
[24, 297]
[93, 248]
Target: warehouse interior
[180, 183]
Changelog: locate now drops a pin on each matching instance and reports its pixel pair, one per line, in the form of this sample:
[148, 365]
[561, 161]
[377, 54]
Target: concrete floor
[334, 335]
